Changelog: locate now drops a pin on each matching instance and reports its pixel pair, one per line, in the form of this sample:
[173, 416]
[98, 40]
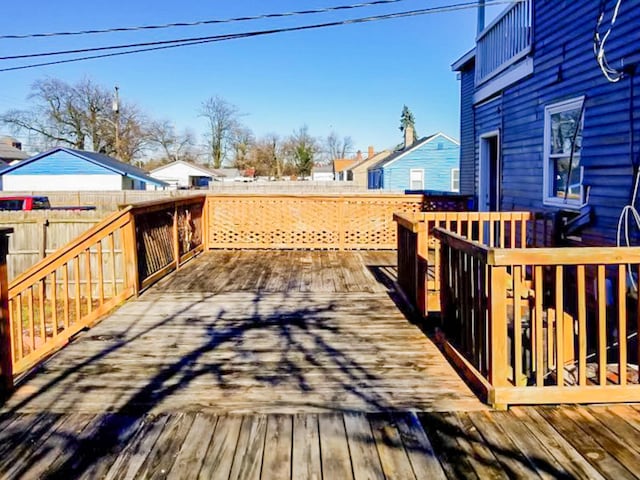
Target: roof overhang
[464, 60]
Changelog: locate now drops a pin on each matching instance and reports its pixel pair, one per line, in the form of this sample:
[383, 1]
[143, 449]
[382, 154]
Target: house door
[489, 173]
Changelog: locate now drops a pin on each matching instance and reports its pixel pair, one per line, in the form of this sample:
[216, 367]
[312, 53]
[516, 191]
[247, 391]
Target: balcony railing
[505, 41]
[525, 323]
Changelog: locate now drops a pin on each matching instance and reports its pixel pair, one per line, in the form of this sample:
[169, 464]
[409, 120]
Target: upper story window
[455, 179]
[562, 149]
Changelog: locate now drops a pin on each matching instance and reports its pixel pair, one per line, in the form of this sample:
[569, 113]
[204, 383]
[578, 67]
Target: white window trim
[455, 170]
[547, 198]
[421, 170]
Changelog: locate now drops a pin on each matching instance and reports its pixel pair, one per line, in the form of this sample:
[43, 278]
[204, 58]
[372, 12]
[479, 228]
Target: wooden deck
[285, 365]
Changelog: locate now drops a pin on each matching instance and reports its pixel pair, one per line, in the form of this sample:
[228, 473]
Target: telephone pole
[116, 110]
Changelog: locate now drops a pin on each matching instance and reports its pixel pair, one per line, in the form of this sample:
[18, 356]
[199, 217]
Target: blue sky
[353, 79]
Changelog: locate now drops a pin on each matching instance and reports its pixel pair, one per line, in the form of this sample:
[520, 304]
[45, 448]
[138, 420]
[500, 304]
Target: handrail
[464, 245]
[78, 284]
[540, 325]
[46, 265]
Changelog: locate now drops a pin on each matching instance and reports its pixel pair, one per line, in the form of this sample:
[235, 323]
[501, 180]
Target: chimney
[359, 155]
[408, 136]
[372, 152]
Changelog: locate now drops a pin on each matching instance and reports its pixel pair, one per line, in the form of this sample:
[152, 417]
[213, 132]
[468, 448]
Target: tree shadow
[299, 334]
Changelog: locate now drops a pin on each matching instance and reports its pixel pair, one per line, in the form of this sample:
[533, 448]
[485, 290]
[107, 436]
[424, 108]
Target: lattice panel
[318, 222]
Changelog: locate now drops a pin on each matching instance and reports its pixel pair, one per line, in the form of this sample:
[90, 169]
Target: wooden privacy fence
[419, 251]
[72, 288]
[542, 325]
[342, 222]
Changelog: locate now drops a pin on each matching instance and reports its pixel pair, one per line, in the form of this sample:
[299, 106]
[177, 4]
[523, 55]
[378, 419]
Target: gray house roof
[9, 153]
[398, 153]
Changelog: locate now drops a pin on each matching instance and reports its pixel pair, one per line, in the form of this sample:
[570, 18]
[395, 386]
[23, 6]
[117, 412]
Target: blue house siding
[437, 157]
[468, 173]
[564, 68]
[61, 163]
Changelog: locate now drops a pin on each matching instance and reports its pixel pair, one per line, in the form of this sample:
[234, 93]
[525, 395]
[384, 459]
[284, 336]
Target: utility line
[166, 44]
[201, 22]
[254, 33]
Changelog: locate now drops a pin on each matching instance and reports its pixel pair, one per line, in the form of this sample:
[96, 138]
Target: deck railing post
[498, 326]
[130, 250]
[176, 237]
[6, 362]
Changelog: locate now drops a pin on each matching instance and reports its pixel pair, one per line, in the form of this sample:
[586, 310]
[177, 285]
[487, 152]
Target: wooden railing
[168, 233]
[542, 325]
[341, 222]
[505, 41]
[419, 249]
[71, 289]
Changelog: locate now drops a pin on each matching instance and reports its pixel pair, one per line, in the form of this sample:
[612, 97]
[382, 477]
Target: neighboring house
[227, 175]
[322, 173]
[341, 168]
[431, 163]
[180, 174]
[11, 150]
[358, 171]
[542, 128]
[63, 169]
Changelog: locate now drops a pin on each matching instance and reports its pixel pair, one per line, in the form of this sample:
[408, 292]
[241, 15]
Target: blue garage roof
[98, 159]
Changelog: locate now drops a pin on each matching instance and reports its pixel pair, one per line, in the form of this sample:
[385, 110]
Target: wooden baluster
[561, 328]
[32, 330]
[76, 274]
[12, 330]
[65, 295]
[518, 378]
[54, 302]
[602, 326]
[622, 324]
[20, 327]
[582, 326]
[100, 266]
[41, 294]
[112, 248]
[87, 266]
[538, 327]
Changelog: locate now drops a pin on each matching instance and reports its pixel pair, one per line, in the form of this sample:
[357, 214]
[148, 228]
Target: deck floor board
[285, 365]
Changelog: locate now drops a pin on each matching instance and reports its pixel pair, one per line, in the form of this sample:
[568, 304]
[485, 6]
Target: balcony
[503, 48]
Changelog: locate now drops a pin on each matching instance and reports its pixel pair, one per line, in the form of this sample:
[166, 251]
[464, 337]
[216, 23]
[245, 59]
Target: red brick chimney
[372, 152]
[409, 136]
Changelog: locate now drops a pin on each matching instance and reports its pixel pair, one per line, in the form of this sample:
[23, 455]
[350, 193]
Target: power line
[201, 22]
[166, 44]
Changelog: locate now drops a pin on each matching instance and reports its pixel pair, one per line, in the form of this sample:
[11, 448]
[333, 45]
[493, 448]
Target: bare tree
[79, 116]
[222, 117]
[173, 145]
[336, 146]
[242, 143]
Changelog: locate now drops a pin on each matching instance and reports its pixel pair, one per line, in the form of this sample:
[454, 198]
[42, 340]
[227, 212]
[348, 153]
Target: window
[562, 148]
[416, 179]
[455, 179]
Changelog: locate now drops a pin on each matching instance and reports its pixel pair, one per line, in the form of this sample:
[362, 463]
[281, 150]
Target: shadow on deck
[282, 365]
